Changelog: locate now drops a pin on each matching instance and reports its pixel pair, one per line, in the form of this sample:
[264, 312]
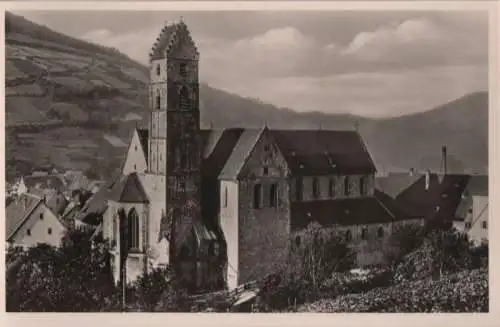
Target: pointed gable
[240, 153]
[143, 139]
[129, 190]
[18, 211]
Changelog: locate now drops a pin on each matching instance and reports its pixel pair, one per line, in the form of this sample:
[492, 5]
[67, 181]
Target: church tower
[174, 147]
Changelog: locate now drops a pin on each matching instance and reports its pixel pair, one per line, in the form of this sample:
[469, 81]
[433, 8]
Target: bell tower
[174, 131]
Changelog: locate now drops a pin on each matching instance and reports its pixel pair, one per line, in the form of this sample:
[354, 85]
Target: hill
[73, 104]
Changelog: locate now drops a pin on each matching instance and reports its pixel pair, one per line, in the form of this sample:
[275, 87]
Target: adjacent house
[29, 222]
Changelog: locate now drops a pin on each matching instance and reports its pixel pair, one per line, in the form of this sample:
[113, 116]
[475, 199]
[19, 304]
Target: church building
[220, 206]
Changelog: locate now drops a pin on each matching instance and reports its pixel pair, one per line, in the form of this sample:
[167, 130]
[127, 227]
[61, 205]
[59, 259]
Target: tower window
[158, 101]
[346, 185]
[257, 191]
[184, 99]
[380, 232]
[273, 195]
[298, 189]
[49, 230]
[183, 70]
[297, 241]
[265, 171]
[158, 69]
[315, 186]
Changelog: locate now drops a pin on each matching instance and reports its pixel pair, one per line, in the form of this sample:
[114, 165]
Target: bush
[466, 291]
[344, 283]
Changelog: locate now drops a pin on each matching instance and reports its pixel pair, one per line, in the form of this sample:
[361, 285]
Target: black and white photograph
[247, 161]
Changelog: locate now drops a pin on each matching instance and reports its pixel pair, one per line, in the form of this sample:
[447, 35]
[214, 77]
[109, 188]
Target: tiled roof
[439, 201]
[240, 153]
[57, 204]
[368, 210]
[143, 138]
[218, 148]
[318, 152]
[129, 189]
[395, 183]
[18, 211]
[97, 203]
[162, 41]
[44, 182]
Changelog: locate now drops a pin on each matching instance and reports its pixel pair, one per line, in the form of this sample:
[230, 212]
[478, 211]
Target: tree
[403, 240]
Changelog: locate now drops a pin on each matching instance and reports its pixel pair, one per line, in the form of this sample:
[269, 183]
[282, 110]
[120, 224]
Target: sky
[375, 64]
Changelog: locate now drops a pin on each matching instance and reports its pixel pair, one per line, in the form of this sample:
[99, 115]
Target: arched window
[297, 241]
[364, 233]
[380, 232]
[315, 186]
[346, 185]
[184, 98]
[158, 100]
[257, 197]
[224, 204]
[348, 236]
[133, 230]
[362, 186]
[331, 187]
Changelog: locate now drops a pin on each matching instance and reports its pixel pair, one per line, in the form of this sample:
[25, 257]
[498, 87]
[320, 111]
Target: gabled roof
[320, 152]
[240, 153]
[129, 190]
[368, 210]
[395, 183]
[219, 145]
[44, 182]
[440, 200]
[143, 138]
[18, 211]
[97, 203]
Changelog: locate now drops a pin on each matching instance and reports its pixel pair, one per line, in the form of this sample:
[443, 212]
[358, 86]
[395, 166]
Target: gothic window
[298, 189]
[158, 101]
[297, 241]
[184, 98]
[364, 233]
[331, 187]
[348, 236]
[224, 204]
[380, 232]
[133, 230]
[362, 186]
[273, 195]
[158, 69]
[183, 70]
[315, 186]
[257, 191]
[346, 185]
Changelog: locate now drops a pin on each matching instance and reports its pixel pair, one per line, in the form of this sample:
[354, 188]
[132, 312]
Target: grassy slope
[92, 90]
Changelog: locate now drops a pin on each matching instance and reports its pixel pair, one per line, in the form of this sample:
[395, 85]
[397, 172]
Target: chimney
[444, 159]
[427, 179]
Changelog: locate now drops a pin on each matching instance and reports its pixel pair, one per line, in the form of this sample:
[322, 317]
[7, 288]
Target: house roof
[57, 203]
[129, 189]
[368, 210]
[44, 182]
[395, 183]
[439, 201]
[18, 211]
[319, 152]
[97, 203]
[240, 153]
[218, 147]
[143, 138]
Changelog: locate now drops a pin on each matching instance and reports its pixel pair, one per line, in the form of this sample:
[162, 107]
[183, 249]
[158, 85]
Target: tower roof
[168, 36]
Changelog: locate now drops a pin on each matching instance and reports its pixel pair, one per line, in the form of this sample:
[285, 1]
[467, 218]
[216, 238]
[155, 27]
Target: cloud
[419, 41]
